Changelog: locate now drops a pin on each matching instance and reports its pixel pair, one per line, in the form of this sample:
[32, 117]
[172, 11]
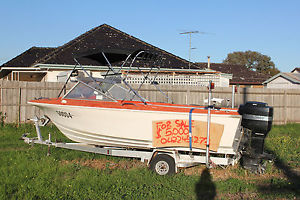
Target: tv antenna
[190, 42]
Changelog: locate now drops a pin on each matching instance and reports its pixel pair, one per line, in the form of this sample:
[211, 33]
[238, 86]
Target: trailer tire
[163, 164]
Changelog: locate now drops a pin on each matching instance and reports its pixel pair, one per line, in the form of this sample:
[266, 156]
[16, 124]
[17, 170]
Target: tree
[252, 60]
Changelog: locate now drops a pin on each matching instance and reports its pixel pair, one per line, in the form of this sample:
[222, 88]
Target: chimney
[208, 62]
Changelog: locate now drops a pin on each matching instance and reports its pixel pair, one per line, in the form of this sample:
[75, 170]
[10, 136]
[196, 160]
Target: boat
[106, 111]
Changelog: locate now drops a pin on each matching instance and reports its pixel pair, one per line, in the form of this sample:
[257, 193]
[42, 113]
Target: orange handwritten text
[176, 132]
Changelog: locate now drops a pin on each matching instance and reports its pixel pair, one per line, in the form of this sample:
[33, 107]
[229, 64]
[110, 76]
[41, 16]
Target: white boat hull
[128, 127]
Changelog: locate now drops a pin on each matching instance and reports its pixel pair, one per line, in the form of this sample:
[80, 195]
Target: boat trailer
[257, 120]
[161, 160]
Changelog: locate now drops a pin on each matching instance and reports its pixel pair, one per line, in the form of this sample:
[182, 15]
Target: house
[19, 68]
[296, 70]
[284, 80]
[241, 75]
[50, 64]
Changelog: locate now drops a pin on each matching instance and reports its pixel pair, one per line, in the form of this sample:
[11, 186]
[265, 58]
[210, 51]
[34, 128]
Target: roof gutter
[19, 68]
[90, 67]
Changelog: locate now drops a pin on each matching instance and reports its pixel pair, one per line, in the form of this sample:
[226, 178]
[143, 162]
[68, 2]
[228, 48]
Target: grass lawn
[26, 172]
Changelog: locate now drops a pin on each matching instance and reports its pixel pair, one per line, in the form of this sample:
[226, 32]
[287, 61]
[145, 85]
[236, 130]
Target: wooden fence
[14, 96]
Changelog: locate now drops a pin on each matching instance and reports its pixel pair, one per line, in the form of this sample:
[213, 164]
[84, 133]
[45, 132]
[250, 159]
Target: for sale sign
[175, 133]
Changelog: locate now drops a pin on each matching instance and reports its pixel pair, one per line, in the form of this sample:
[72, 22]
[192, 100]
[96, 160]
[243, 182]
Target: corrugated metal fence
[14, 96]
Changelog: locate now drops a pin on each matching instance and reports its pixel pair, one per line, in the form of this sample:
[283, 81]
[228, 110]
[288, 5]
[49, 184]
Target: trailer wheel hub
[162, 167]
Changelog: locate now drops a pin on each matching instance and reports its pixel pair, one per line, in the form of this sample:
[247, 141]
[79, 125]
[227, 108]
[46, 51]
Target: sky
[270, 27]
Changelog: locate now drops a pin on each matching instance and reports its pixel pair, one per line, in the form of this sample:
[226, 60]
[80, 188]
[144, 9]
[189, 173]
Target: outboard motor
[257, 117]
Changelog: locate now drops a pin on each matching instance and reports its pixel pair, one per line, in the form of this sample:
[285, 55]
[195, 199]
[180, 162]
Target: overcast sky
[270, 27]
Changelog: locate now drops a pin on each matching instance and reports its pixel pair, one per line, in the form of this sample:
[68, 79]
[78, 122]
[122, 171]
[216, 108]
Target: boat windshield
[87, 91]
[100, 91]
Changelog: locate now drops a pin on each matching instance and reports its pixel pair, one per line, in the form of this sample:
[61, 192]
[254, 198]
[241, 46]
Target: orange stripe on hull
[133, 105]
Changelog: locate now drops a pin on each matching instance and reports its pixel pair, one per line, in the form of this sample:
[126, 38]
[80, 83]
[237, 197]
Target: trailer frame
[182, 159]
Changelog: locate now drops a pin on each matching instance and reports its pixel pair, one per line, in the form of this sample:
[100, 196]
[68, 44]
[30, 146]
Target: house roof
[296, 69]
[240, 74]
[107, 37]
[26, 59]
[293, 77]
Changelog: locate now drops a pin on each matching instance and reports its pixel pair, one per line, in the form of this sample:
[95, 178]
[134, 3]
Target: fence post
[187, 95]
[19, 104]
[285, 107]
[232, 96]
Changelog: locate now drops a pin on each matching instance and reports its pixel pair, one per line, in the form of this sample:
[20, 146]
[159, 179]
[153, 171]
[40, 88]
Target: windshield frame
[87, 85]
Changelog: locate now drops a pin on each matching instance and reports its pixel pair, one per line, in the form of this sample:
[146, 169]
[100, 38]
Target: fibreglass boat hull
[129, 126]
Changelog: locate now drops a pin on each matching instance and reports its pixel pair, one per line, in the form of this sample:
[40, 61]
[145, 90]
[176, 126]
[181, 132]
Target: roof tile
[28, 57]
[240, 74]
[105, 36]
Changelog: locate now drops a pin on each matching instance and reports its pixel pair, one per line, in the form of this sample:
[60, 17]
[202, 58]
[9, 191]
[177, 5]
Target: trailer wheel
[163, 164]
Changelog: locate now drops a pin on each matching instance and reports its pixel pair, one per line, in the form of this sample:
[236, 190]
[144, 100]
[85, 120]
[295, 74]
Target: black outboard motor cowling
[257, 117]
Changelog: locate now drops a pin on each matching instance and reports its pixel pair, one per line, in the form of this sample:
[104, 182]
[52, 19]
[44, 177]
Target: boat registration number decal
[64, 114]
[175, 133]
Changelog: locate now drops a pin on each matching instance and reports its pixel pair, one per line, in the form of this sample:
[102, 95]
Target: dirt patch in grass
[108, 164]
[218, 174]
[238, 196]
